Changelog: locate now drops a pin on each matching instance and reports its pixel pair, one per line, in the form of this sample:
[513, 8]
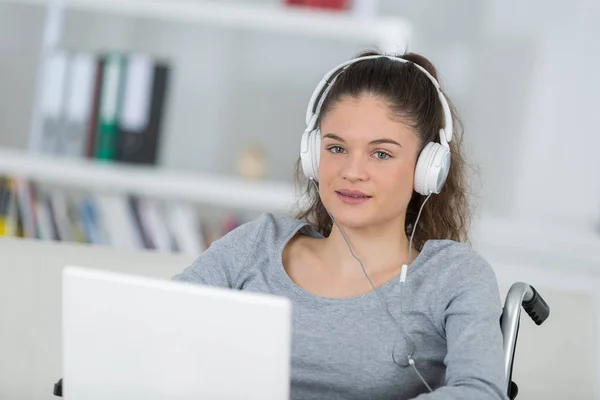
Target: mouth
[352, 196]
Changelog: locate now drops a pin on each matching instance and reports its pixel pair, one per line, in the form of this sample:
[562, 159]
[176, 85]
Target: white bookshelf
[390, 34]
[229, 192]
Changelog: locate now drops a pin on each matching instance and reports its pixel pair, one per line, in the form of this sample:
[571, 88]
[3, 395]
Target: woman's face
[367, 165]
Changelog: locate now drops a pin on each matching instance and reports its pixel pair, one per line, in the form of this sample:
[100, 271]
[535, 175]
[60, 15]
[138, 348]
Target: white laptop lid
[131, 337]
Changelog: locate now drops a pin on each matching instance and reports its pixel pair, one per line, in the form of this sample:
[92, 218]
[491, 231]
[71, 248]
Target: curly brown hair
[413, 100]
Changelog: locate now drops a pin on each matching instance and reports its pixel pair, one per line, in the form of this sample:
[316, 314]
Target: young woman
[389, 302]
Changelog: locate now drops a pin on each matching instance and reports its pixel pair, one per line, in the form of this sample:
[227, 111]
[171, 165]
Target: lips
[353, 193]
[352, 196]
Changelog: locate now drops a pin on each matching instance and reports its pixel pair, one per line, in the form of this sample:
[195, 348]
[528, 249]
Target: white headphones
[433, 164]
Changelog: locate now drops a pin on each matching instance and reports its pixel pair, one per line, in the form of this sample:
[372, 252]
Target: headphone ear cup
[432, 169]
[316, 152]
[310, 153]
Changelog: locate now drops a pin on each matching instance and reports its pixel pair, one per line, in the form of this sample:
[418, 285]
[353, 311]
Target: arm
[471, 321]
[221, 264]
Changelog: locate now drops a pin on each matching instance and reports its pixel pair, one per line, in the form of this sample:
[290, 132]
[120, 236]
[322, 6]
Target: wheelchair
[519, 295]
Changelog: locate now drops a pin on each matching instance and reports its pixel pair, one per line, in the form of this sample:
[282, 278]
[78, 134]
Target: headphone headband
[320, 94]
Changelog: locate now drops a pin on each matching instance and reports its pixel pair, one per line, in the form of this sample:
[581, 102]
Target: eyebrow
[376, 141]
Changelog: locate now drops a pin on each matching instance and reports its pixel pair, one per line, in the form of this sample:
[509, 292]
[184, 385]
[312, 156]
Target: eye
[335, 149]
[382, 155]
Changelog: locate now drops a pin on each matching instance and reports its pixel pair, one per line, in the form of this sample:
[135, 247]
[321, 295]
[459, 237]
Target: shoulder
[268, 230]
[458, 259]
[267, 225]
[223, 262]
[457, 267]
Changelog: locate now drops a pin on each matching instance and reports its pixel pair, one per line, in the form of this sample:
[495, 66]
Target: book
[144, 101]
[79, 100]
[52, 103]
[45, 225]
[59, 211]
[90, 145]
[185, 227]
[26, 207]
[321, 4]
[118, 221]
[155, 225]
[91, 221]
[140, 228]
[113, 83]
[4, 206]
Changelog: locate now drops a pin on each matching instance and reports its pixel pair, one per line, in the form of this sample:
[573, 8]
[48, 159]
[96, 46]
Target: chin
[355, 217]
[367, 219]
[354, 220]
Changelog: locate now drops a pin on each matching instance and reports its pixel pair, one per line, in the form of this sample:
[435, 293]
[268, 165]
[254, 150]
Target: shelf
[524, 246]
[390, 34]
[149, 181]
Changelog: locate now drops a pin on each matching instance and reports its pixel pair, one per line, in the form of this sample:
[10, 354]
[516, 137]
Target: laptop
[133, 337]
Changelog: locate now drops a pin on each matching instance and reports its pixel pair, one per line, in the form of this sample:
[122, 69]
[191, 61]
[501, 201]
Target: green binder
[113, 83]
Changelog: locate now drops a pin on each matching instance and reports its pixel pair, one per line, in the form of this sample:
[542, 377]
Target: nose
[354, 168]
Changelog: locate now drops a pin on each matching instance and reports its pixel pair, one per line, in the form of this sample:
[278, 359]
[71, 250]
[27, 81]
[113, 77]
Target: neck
[380, 248]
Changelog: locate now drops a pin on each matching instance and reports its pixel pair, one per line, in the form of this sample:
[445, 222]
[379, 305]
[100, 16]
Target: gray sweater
[342, 348]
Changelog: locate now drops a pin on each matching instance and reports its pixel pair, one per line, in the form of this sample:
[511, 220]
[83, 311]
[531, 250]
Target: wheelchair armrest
[520, 294]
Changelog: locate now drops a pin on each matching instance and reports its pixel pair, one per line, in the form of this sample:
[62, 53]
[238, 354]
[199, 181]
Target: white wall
[560, 165]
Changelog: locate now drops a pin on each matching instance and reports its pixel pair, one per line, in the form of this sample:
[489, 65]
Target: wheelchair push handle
[536, 306]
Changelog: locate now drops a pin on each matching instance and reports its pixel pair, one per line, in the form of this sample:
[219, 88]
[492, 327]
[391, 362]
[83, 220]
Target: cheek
[399, 179]
[327, 167]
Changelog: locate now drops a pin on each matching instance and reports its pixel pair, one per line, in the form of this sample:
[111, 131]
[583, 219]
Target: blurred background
[236, 77]
[162, 125]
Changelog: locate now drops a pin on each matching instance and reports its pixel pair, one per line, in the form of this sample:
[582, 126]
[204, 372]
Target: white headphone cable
[402, 282]
[358, 259]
